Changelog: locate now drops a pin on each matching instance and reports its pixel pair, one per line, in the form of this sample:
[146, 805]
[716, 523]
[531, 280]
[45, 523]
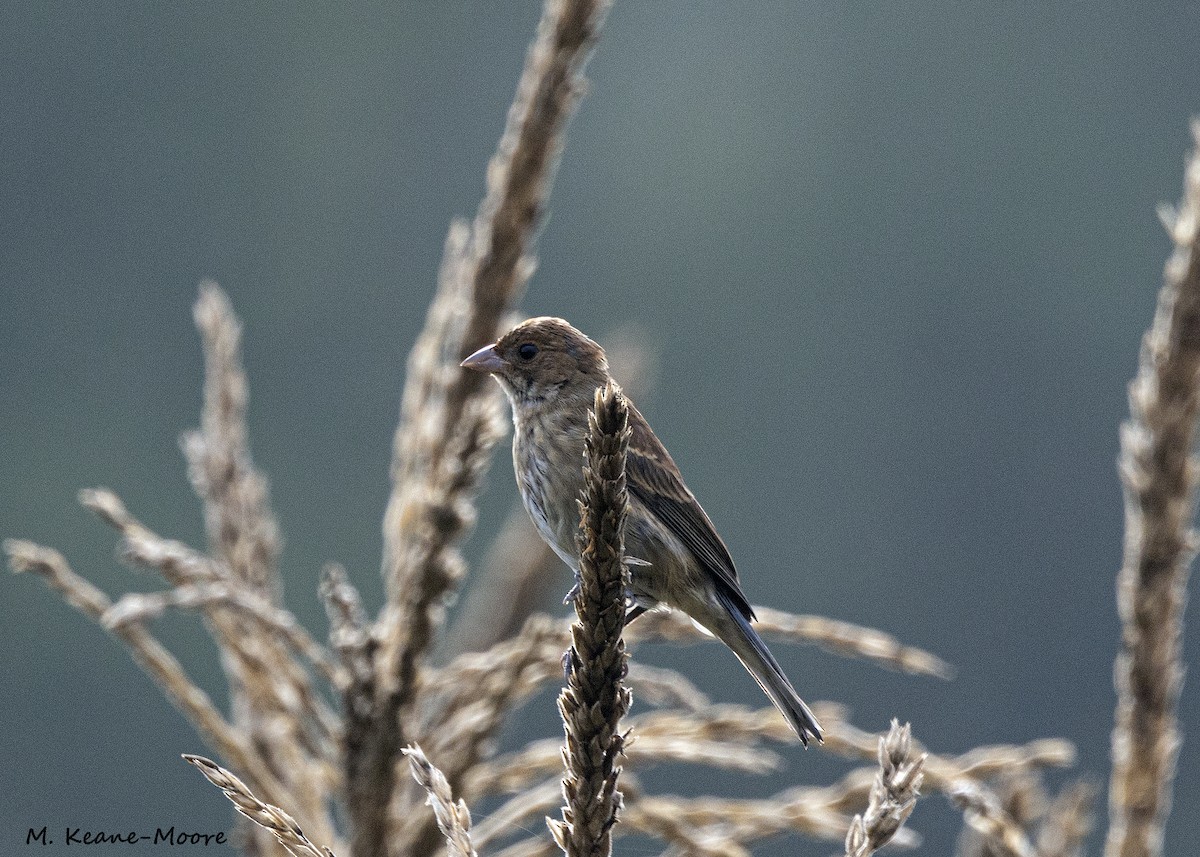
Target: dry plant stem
[529, 848]
[822, 813]
[241, 527]
[1021, 795]
[664, 688]
[275, 704]
[1158, 475]
[513, 813]
[350, 640]
[272, 697]
[1068, 822]
[709, 825]
[449, 416]
[453, 817]
[893, 794]
[734, 736]
[658, 820]
[281, 825]
[540, 640]
[513, 772]
[141, 607]
[982, 812]
[469, 719]
[150, 655]
[941, 772]
[595, 698]
[841, 638]
[519, 575]
[440, 515]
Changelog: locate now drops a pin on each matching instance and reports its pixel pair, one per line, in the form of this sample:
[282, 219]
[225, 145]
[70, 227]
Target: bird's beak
[485, 360]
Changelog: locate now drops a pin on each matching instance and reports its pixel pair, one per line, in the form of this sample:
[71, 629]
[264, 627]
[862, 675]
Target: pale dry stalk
[735, 737]
[984, 814]
[821, 813]
[595, 698]
[533, 847]
[288, 723]
[942, 772]
[840, 638]
[350, 639]
[893, 794]
[1068, 822]
[514, 771]
[450, 418]
[271, 818]
[530, 801]
[150, 655]
[1158, 476]
[282, 732]
[143, 606]
[243, 533]
[241, 527]
[467, 722]
[1022, 796]
[453, 817]
[272, 697]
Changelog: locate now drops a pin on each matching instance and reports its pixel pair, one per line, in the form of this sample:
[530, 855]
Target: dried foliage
[1158, 475]
[893, 795]
[453, 817]
[596, 698]
[325, 762]
[267, 817]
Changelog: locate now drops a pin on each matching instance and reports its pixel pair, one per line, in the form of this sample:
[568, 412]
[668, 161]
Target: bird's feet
[574, 592]
[568, 665]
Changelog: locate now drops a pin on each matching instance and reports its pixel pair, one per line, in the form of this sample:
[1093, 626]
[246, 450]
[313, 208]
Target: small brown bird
[550, 372]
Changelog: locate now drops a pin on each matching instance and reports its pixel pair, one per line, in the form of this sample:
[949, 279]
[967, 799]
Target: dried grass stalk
[841, 638]
[658, 625]
[267, 816]
[534, 847]
[241, 527]
[273, 621]
[348, 634]
[984, 814]
[274, 701]
[450, 419]
[453, 817]
[468, 721]
[893, 795]
[822, 813]
[1022, 796]
[1158, 475]
[150, 655]
[515, 771]
[941, 772]
[1068, 822]
[664, 688]
[512, 814]
[595, 698]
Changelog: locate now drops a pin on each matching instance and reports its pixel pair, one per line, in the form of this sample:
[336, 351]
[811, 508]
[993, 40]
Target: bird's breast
[548, 460]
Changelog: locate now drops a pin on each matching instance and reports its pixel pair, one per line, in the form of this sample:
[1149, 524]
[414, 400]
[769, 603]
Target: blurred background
[895, 260]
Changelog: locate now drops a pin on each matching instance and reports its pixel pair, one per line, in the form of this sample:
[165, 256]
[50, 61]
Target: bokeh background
[895, 260]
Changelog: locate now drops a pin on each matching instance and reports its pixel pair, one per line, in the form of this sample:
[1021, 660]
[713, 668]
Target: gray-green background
[895, 257]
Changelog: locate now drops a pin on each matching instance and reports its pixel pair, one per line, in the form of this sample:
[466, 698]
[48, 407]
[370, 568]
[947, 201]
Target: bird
[550, 371]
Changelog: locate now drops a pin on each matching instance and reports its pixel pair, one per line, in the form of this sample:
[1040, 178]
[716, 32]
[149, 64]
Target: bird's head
[543, 358]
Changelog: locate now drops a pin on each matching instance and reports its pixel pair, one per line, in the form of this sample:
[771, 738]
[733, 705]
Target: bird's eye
[527, 351]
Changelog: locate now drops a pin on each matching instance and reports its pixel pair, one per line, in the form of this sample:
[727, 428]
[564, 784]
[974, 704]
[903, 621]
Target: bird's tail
[735, 631]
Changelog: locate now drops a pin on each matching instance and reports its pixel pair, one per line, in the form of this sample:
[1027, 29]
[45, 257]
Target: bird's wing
[654, 479]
